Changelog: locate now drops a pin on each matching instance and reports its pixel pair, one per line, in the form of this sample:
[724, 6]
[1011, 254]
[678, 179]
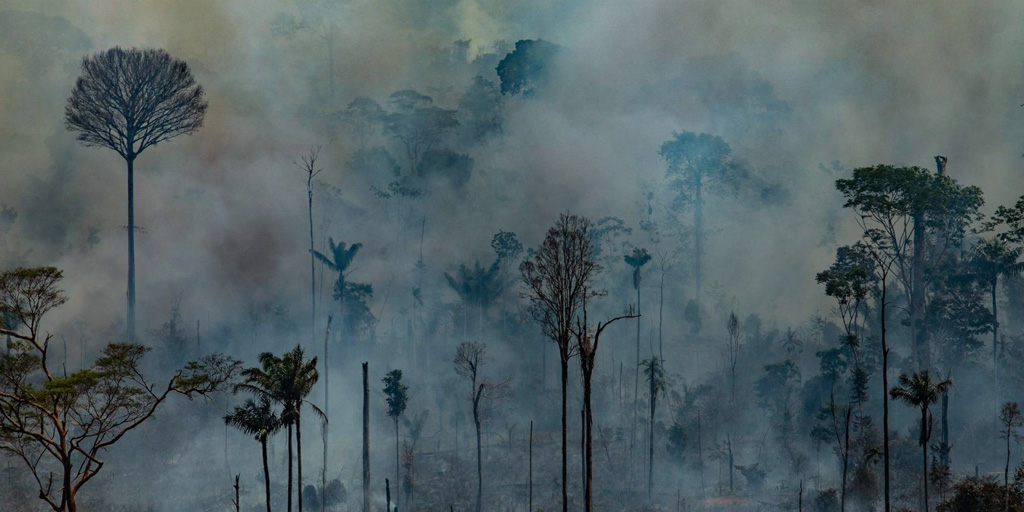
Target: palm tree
[655, 373]
[339, 261]
[478, 286]
[918, 390]
[257, 419]
[286, 380]
[638, 259]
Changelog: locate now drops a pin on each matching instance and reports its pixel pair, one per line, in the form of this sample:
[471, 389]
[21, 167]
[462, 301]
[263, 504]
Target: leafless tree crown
[129, 100]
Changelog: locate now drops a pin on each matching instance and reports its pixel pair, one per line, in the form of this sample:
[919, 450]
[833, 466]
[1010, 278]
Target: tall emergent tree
[257, 418]
[905, 204]
[59, 423]
[469, 358]
[397, 395]
[918, 390]
[127, 101]
[310, 169]
[557, 280]
[699, 163]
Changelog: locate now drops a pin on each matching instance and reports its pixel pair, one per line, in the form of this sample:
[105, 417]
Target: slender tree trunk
[565, 455]
[698, 242]
[1006, 471]
[298, 462]
[396, 461]
[700, 449]
[266, 472]
[885, 398]
[636, 379]
[238, 503]
[366, 438]
[312, 258]
[661, 308]
[531, 469]
[995, 359]
[289, 468]
[327, 414]
[917, 328]
[588, 423]
[479, 459]
[131, 248]
[650, 442]
[924, 458]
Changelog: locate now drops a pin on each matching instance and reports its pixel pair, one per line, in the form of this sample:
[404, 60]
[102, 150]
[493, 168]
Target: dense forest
[473, 255]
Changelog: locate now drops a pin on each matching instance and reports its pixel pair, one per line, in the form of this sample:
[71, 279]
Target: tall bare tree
[469, 358]
[309, 168]
[556, 279]
[128, 101]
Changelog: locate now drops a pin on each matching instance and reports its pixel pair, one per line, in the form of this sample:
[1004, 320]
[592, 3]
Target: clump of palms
[287, 381]
[918, 390]
[257, 418]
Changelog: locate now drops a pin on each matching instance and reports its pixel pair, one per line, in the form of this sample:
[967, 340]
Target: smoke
[790, 85]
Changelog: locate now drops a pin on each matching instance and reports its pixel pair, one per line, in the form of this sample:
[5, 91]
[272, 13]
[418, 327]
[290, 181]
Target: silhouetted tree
[1011, 418]
[51, 419]
[656, 383]
[351, 296]
[557, 279]
[397, 395]
[257, 419]
[588, 339]
[697, 164]
[286, 380]
[918, 390]
[527, 67]
[636, 261]
[417, 124]
[469, 359]
[127, 101]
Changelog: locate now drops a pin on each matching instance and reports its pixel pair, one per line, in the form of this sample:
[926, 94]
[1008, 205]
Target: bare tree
[1011, 418]
[309, 168]
[59, 424]
[469, 358]
[128, 101]
[587, 341]
[732, 352]
[556, 279]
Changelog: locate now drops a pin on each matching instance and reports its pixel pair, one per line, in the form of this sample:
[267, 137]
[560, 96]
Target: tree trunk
[289, 468]
[366, 438]
[479, 459]
[885, 399]
[588, 422]
[698, 242]
[924, 460]
[636, 383]
[917, 326]
[1006, 472]
[298, 463]
[565, 455]
[238, 503]
[131, 249]
[266, 472]
[650, 443]
[995, 359]
[531, 469]
[661, 308]
[312, 258]
[396, 461]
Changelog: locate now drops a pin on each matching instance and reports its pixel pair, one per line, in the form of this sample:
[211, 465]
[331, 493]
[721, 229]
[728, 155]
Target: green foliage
[481, 108]
[478, 286]
[506, 245]
[352, 297]
[255, 418]
[975, 494]
[699, 161]
[677, 443]
[525, 69]
[396, 393]
[638, 259]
